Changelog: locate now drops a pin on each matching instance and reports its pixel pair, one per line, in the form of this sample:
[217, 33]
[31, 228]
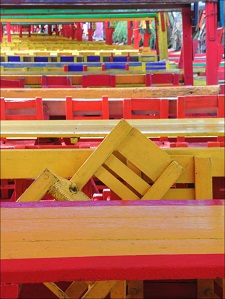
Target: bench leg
[208, 290]
[9, 290]
[135, 289]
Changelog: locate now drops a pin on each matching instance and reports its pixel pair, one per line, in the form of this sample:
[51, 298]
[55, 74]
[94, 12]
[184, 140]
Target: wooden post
[187, 46]
[8, 28]
[1, 32]
[211, 44]
[129, 32]
[162, 36]
[49, 29]
[137, 35]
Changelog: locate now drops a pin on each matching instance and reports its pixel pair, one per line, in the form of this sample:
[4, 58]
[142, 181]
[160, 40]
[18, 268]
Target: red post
[187, 46]
[49, 29]
[79, 32]
[129, 32]
[211, 44]
[108, 34]
[8, 28]
[1, 32]
[137, 35]
[29, 29]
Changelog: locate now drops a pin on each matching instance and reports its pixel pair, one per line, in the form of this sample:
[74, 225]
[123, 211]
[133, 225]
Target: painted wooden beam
[29, 163]
[189, 127]
[122, 92]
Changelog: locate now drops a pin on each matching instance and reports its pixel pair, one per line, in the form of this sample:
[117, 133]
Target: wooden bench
[98, 80]
[162, 79]
[66, 229]
[4, 83]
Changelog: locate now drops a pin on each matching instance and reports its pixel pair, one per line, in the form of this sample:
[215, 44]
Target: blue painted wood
[13, 58]
[40, 59]
[66, 58]
[93, 58]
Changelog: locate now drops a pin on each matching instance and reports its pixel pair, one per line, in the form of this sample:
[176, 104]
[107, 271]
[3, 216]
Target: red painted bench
[68, 248]
[12, 83]
[98, 80]
[162, 79]
[56, 81]
[145, 108]
[87, 109]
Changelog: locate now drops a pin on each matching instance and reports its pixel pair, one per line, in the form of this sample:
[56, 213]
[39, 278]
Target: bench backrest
[98, 80]
[200, 106]
[142, 108]
[87, 109]
[22, 109]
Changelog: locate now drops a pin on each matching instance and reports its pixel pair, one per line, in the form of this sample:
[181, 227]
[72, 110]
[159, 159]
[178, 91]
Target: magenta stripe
[103, 203]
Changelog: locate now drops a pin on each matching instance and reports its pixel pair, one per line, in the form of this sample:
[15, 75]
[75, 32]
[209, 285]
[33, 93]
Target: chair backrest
[145, 108]
[87, 109]
[22, 109]
[162, 79]
[47, 81]
[98, 80]
[12, 83]
[200, 106]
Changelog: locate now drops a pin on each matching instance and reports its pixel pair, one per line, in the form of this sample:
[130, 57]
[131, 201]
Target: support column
[162, 36]
[129, 32]
[187, 47]
[137, 35]
[108, 33]
[211, 44]
[147, 35]
[8, 28]
[79, 32]
[49, 29]
[1, 32]
[29, 30]
[90, 32]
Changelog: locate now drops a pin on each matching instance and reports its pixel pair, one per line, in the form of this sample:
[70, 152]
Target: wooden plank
[99, 156]
[100, 289]
[129, 176]
[135, 289]
[164, 182]
[101, 128]
[139, 150]
[140, 92]
[138, 232]
[76, 289]
[115, 184]
[56, 290]
[203, 178]
[39, 188]
[206, 289]
[29, 163]
[119, 290]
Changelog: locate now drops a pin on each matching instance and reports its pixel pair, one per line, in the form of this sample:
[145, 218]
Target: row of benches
[93, 80]
[133, 108]
[65, 66]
